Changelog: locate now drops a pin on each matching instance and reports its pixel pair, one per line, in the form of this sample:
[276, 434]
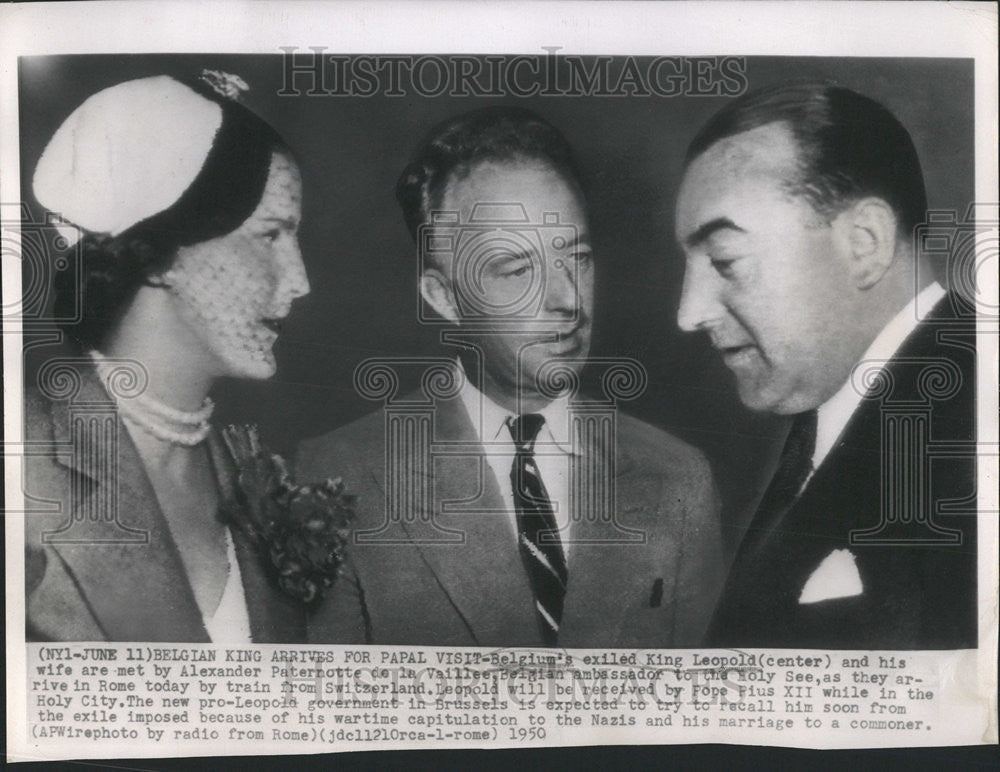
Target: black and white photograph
[551, 360]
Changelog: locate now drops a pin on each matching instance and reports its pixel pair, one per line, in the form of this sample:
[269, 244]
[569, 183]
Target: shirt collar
[833, 415]
[489, 420]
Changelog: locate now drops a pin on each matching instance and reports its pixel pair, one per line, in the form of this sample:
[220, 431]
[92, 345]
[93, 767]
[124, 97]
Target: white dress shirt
[230, 623]
[833, 415]
[553, 452]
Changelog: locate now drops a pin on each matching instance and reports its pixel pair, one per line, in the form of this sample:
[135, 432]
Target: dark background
[362, 263]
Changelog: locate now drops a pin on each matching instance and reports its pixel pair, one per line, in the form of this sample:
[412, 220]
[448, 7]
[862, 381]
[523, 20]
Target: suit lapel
[137, 591]
[275, 617]
[767, 586]
[605, 571]
[857, 454]
[483, 576]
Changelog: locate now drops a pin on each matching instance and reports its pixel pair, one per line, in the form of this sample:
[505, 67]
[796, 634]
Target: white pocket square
[836, 577]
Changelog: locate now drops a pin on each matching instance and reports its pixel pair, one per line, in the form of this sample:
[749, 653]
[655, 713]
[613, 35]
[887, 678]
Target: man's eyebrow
[511, 255]
[706, 231]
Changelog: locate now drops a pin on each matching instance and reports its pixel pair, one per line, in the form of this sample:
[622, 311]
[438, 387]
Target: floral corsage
[301, 531]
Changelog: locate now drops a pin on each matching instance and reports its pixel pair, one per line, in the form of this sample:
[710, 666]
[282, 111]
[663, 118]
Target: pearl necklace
[177, 427]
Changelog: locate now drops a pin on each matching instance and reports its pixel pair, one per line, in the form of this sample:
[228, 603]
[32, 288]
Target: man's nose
[700, 307]
[562, 286]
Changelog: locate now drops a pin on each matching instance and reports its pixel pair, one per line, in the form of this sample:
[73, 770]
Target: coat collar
[454, 434]
[921, 347]
[857, 453]
[128, 568]
[472, 552]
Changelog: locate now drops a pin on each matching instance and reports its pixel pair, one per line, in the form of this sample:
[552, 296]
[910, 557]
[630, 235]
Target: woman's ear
[436, 291]
[867, 231]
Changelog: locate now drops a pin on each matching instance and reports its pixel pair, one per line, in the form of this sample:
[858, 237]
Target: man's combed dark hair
[849, 146]
[490, 134]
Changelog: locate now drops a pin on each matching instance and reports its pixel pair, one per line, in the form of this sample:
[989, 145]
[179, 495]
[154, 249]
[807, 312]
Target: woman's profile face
[235, 290]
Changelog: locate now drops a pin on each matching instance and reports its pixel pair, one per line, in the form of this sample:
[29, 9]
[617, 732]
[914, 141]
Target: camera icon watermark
[913, 510]
[439, 469]
[498, 262]
[926, 404]
[86, 446]
[47, 251]
[961, 248]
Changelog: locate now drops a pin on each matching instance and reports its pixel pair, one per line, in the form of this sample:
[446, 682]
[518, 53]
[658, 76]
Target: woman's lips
[274, 325]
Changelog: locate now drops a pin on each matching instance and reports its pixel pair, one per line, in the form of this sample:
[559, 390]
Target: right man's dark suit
[914, 597]
[657, 594]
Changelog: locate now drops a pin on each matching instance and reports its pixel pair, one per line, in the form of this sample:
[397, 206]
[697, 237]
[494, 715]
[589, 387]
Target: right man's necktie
[543, 557]
[742, 591]
[794, 467]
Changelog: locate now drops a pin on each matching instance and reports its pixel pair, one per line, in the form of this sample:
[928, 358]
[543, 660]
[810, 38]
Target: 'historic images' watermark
[312, 71]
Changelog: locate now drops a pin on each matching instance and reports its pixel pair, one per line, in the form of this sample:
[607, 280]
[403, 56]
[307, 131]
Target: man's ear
[867, 231]
[436, 291]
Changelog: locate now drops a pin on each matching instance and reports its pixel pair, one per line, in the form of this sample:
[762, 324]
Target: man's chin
[771, 400]
[756, 395]
[556, 376]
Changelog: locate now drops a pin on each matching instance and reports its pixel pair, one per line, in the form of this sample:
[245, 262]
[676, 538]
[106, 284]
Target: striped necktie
[537, 534]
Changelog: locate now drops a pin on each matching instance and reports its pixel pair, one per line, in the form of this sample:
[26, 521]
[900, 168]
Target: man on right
[797, 215]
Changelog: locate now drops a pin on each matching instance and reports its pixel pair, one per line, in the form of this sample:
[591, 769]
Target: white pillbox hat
[127, 153]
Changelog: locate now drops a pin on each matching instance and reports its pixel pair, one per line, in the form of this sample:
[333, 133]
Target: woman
[189, 205]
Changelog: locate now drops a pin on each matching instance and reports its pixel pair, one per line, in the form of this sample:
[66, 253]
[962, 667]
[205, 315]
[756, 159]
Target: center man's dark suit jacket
[913, 596]
[98, 584]
[656, 594]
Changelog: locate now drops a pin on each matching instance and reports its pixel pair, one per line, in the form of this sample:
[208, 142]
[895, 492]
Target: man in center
[516, 550]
